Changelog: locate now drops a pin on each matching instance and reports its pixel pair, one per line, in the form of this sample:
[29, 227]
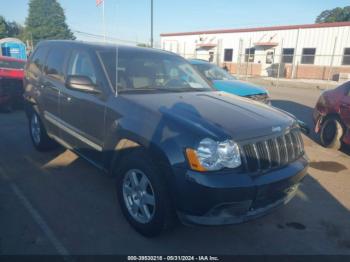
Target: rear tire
[148, 208]
[331, 133]
[41, 141]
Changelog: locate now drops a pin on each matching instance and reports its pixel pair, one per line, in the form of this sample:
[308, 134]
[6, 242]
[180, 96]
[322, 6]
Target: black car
[177, 148]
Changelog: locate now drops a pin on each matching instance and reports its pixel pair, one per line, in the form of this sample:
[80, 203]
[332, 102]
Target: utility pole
[152, 23]
[104, 21]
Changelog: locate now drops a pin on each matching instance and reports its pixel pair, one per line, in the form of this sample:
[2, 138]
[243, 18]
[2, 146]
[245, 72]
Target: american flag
[98, 2]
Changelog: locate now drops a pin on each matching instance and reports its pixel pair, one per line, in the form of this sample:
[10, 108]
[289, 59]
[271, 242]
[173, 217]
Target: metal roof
[257, 29]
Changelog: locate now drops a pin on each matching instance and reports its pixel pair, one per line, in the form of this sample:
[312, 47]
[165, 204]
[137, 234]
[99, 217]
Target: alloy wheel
[35, 128]
[139, 196]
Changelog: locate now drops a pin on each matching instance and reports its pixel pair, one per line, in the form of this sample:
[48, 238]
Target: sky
[129, 20]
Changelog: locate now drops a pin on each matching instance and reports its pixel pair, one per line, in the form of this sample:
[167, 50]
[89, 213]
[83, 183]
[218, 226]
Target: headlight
[211, 155]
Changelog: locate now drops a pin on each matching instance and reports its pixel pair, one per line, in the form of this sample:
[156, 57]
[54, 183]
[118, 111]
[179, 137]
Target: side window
[346, 57]
[347, 88]
[308, 56]
[81, 64]
[228, 55]
[37, 62]
[249, 55]
[287, 55]
[55, 62]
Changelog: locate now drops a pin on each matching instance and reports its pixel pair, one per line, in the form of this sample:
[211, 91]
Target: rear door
[84, 113]
[33, 75]
[52, 83]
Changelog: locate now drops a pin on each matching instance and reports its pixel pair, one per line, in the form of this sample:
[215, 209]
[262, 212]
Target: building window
[270, 56]
[211, 57]
[228, 55]
[346, 57]
[249, 55]
[287, 55]
[308, 56]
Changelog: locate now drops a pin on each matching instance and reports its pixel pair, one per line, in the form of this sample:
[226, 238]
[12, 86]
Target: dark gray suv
[177, 148]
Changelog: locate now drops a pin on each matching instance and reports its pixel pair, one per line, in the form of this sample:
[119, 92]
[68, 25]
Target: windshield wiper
[191, 89]
[145, 89]
[162, 89]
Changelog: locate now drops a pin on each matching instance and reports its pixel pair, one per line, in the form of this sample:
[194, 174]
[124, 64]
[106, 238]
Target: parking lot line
[36, 216]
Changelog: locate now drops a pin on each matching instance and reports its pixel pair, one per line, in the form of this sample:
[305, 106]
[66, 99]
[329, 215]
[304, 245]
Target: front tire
[331, 133]
[143, 196]
[41, 141]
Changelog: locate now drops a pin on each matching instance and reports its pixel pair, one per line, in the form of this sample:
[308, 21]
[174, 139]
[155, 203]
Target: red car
[11, 81]
[332, 117]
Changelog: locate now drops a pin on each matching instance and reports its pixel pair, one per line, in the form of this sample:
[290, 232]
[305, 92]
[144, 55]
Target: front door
[268, 62]
[84, 113]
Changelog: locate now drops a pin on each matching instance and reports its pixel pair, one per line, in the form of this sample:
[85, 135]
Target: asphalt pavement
[57, 203]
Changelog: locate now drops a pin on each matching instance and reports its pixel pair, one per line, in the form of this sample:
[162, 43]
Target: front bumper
[221, 199]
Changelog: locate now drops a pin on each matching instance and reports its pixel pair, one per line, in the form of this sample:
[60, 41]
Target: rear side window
[37, 62]
[55, 63]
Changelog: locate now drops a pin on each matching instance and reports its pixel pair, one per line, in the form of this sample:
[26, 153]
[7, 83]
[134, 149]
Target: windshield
[148, 70]
[213, 72]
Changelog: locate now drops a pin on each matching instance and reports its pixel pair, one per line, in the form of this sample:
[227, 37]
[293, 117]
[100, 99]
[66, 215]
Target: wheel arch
[30, 108]
[126, 144]
[333, 115]
[340, 132]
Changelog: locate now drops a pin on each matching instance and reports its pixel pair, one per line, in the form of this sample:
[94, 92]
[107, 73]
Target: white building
[319, 51]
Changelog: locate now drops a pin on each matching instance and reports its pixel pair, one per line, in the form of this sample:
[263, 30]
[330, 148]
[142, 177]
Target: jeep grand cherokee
[177, 148]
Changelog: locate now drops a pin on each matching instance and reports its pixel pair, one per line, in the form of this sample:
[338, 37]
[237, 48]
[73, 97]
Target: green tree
[334, 15]
[3, 27]
[46, 20]
[14, 29]
[9, 29]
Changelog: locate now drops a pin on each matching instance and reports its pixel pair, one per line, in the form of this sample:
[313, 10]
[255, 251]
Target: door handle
[69, 98]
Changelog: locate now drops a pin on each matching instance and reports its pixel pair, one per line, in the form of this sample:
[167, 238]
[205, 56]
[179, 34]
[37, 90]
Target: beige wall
[315, 72]
[242, 69]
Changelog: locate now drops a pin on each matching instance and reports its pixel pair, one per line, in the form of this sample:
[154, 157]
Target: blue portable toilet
[13, 47]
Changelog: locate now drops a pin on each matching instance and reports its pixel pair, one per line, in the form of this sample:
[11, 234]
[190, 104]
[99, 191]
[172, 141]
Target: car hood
[239, 88]
[216, 114]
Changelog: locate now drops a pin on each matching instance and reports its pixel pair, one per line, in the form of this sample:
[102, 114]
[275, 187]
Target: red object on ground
[11, 80]
[11, 67]
[334, 103]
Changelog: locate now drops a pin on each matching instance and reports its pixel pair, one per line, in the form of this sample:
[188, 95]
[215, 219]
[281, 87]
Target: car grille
[264, 98]
[274, 152]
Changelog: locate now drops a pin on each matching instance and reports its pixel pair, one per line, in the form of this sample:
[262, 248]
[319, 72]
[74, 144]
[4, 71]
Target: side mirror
[81, 84]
